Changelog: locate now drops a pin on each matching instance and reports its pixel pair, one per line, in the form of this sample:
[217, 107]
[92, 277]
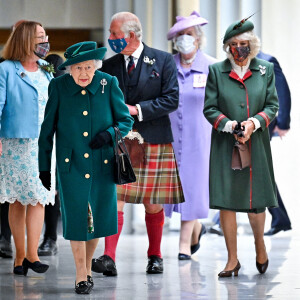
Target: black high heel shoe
[262, 268]
[36, 266]
[90, 281]
[182, 256]
[82, 287]
[235, 271]
[18, 270]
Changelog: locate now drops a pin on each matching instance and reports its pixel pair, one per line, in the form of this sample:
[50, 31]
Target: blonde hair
[21, 42]
[254, 43]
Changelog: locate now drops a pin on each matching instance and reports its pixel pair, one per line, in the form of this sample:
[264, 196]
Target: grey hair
[254, 43]
[130, 22]
[201, 37]
[97, 63]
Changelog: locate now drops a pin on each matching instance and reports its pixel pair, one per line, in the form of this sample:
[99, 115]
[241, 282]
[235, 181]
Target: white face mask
[185, 44]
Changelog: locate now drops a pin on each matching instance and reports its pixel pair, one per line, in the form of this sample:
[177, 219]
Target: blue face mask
[117, 45]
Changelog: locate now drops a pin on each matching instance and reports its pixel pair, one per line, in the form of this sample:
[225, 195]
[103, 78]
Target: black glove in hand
[100, 139]
[45, 177]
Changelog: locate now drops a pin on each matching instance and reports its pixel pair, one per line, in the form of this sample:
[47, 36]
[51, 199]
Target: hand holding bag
[123, 171]
[241, 157]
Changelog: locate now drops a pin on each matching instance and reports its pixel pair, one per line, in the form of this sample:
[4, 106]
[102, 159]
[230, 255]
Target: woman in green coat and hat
[241, 89]
[82, 109]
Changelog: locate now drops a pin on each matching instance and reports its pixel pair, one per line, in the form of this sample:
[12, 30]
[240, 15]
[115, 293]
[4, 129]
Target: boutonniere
[262, 70]
[149, 61]
[48, 68]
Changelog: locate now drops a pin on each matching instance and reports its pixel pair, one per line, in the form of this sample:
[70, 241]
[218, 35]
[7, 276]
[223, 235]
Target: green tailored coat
[76, 115]
[227, 97]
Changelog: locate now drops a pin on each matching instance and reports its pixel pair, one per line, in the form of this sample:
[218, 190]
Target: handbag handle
[118, 137]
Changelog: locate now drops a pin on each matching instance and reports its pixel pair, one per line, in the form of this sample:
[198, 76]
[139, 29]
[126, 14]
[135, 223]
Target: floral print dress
[19, 172]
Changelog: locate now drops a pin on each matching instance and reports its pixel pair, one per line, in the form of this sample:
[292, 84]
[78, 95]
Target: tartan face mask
[42, 49]
[240, 53]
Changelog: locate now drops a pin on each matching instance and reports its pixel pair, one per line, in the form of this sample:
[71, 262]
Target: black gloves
[100, 139]
[45, 177]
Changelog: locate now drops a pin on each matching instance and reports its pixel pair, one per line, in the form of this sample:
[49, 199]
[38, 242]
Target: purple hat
[186, 22]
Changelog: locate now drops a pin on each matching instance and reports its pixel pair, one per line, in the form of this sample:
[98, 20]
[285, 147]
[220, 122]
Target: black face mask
[42, 49]
[240, 53]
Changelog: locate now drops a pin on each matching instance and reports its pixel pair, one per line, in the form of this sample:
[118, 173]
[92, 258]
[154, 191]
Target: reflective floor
[195, 279]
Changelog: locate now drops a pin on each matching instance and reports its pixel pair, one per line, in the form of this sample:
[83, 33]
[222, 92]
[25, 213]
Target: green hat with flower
[80, 52]
[237, 28]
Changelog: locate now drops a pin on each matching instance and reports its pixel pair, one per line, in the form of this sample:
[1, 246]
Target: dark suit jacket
[156, 92]
[284, 96]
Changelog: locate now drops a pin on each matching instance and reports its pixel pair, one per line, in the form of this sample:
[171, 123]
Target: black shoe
[216, 229]
[18, 270]
[262, 268]
[194, 248]
[104, 264]
[5, 248]
[275, 230]
[82, 287]
[36, 266]
[90, 281]
[47, 248]
[182, 256]
[155, 265]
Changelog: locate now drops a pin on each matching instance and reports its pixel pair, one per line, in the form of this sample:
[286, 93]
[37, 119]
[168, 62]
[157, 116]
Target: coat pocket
[64, 159]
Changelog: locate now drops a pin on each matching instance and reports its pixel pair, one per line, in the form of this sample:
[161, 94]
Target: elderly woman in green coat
[82, 109]
[241, 89]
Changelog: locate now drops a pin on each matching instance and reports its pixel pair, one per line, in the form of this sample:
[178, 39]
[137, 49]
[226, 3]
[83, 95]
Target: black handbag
[123, 171]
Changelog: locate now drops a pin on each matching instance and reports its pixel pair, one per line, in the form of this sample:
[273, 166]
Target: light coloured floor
[195, 279]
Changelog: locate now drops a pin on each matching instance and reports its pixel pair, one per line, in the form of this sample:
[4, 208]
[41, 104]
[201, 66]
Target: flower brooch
[48, 68]
[149, 61]
[262, 70]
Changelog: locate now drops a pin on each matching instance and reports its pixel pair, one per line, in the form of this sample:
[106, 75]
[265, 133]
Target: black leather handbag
[123, 169]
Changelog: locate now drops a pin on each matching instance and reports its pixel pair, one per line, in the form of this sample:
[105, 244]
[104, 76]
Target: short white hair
[130, 22]
[97, 63]
[254, 43]
[200, 35]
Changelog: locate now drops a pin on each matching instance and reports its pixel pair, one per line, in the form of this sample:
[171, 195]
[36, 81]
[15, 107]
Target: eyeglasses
[42, 38]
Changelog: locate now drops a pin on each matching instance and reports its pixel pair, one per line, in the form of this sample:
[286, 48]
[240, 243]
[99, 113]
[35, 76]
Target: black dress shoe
[262, 268]
[36, 266]
[5, 248]
[90, 281]
[216, 229]
[18, 270]
[47, 248]
[275, 230]
[182, 256]
[82, 287]
[194, 248]
[104, 264]
[155, 265]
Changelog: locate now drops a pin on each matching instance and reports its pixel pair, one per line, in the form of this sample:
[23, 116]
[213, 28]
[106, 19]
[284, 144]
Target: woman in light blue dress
[24, 80]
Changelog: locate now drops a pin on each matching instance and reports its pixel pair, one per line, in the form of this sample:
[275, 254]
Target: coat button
[83, 92]
[85, 113]
[106, 161]
[241, 86]
[87, 176]
[67, 160]
[86, 155]
[242, 105]
[85, 134]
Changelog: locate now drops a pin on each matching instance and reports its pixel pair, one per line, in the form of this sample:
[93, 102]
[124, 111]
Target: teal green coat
[85, 176]
[227, 97]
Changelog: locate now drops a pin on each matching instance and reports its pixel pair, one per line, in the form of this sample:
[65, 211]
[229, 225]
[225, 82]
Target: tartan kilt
[157, 182]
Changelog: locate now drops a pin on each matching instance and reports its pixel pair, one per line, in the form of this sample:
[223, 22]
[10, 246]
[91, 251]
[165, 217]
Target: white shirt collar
[137, 53]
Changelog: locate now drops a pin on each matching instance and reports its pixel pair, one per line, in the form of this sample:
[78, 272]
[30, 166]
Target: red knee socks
[155, 224]
[111, 242]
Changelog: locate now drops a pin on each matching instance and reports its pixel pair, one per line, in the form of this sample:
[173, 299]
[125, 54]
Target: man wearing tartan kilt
[148, 79]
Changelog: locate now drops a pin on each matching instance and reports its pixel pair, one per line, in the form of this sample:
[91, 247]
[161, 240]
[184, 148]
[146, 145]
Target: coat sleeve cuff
[220, 122]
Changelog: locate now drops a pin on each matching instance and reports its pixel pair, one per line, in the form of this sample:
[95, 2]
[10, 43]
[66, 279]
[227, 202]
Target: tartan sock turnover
[111, 242]
[155, 224]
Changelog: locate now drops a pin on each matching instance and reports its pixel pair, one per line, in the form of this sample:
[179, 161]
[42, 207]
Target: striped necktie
[131, 65]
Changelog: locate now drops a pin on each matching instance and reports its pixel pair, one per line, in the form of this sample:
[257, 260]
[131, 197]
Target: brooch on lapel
[149, 61]
[262, 70]
[103, 82]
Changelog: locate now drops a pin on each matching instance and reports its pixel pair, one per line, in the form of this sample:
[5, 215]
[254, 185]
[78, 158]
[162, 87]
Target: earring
[70, 74]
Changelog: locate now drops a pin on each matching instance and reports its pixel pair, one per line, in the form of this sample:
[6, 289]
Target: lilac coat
[192, 134]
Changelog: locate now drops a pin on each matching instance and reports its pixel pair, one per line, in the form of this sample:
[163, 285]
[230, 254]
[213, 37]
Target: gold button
[85, 133]
[86, 155]
[85, 113]
[67, 160]
[87, 176]
[83, 92]
[106, 161]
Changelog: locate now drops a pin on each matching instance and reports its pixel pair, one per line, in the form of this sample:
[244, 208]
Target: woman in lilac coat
[191, 131]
